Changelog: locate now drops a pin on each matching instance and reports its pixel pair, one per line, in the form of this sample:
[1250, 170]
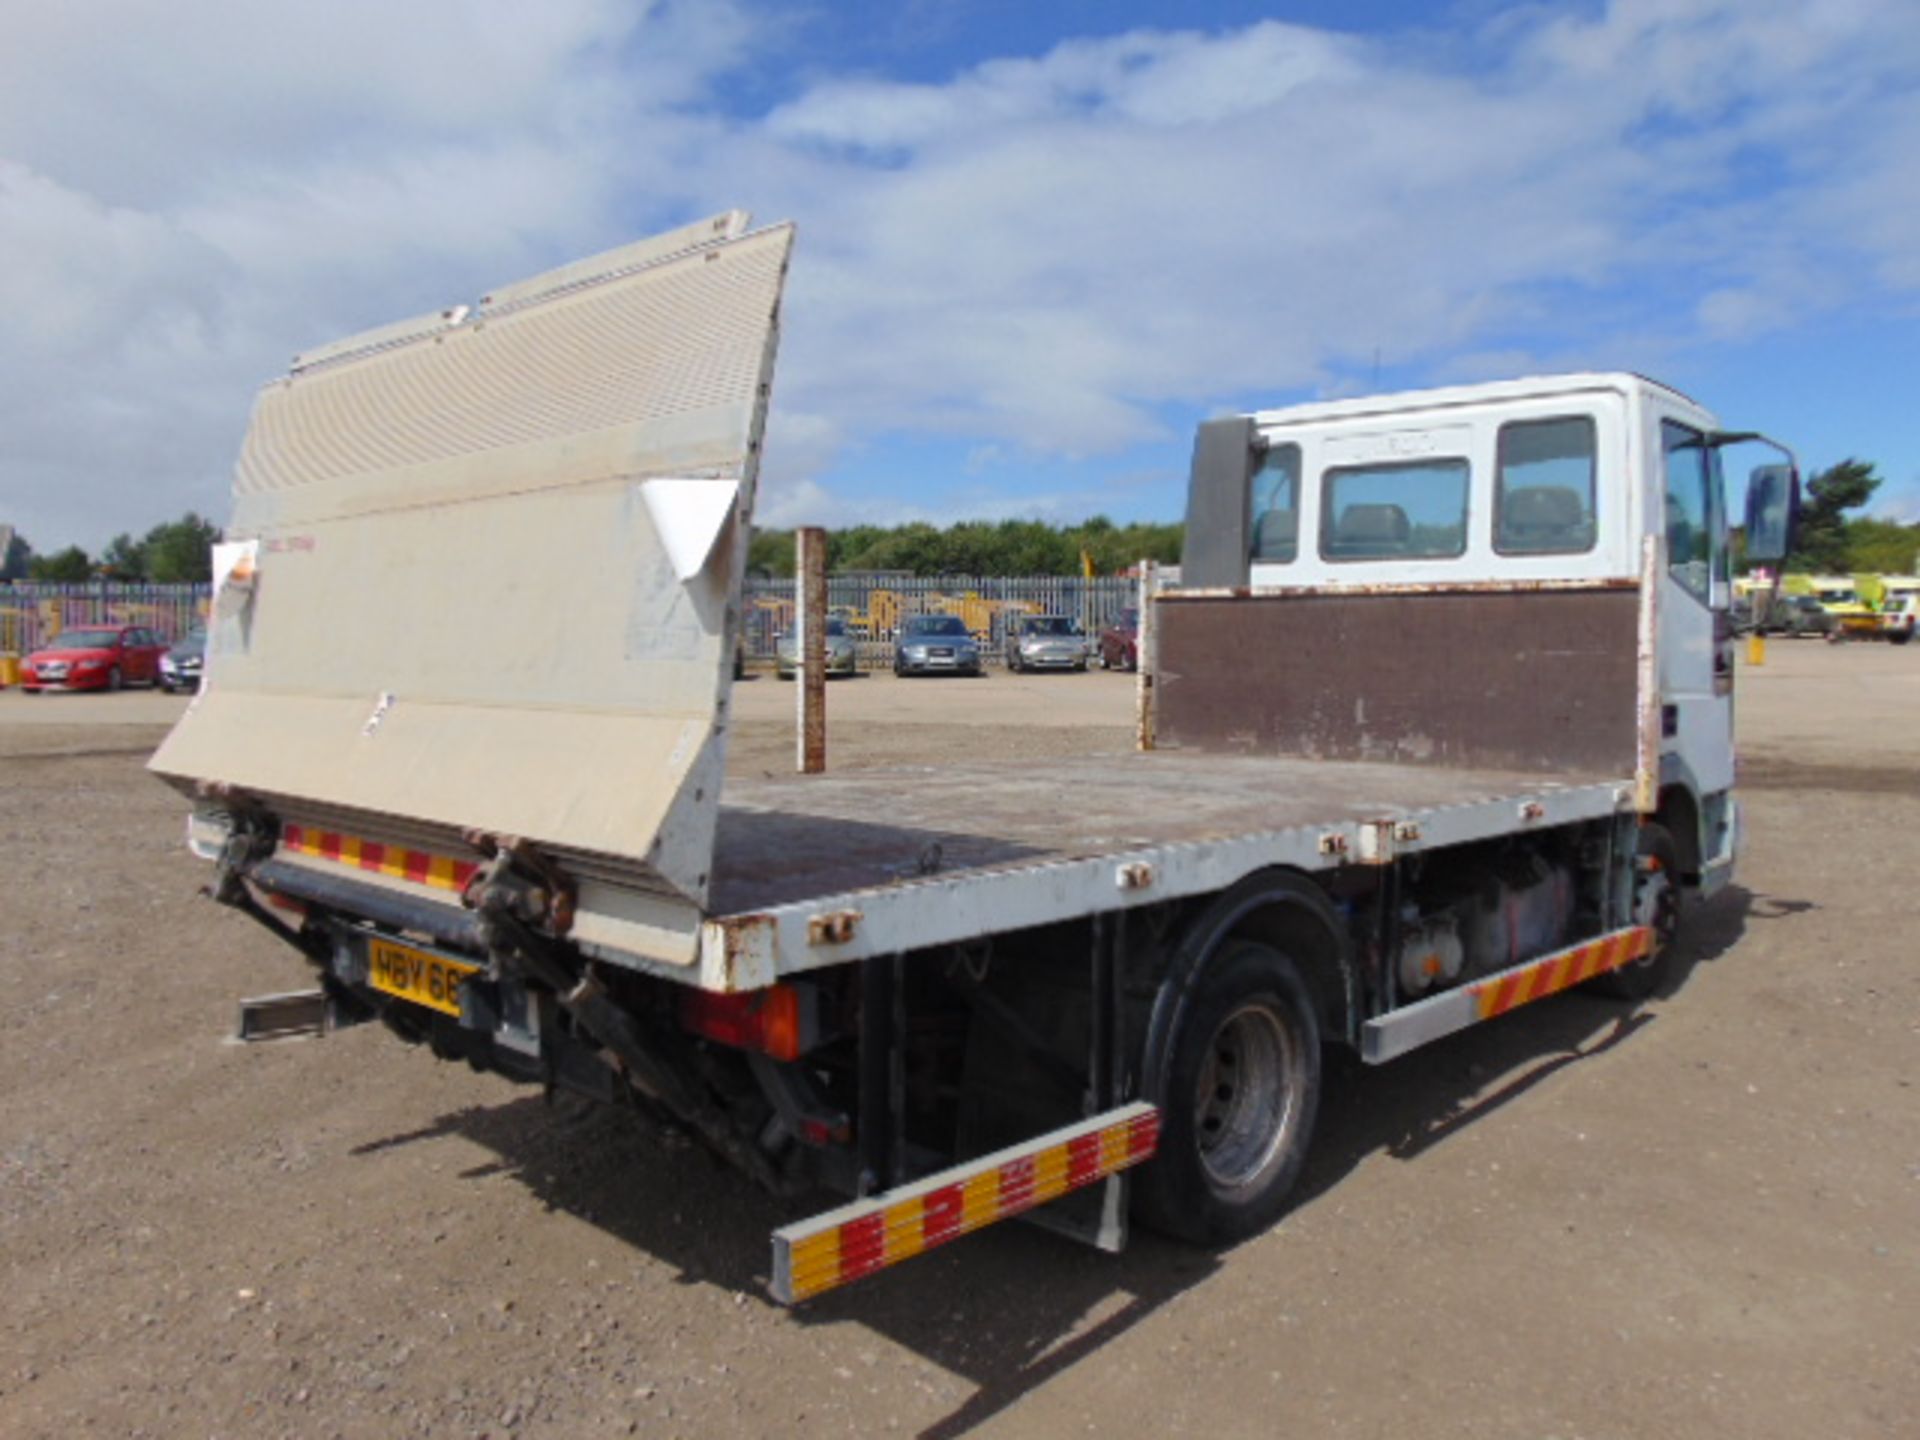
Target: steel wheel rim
[1657, 906]
[1244, 1099]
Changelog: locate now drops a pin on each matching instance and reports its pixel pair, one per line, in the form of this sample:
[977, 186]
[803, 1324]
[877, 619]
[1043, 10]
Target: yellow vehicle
[1853, 620]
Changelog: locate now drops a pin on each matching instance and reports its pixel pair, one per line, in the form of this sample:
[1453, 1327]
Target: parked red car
[1120, 642]
[97, 657]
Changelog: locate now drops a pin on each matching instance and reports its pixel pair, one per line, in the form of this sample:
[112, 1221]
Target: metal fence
[875, 606]
[32, 614]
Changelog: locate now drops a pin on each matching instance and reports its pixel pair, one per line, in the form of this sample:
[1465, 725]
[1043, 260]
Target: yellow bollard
[9, 670]
[1756, 648]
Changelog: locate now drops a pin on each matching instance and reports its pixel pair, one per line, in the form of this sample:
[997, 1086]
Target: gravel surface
[1694, 1219]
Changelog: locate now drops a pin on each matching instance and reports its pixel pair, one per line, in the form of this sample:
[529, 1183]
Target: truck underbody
[1061, 928]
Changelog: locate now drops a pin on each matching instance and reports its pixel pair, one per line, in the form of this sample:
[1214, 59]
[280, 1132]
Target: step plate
[841, 1246]
[1415, 1025]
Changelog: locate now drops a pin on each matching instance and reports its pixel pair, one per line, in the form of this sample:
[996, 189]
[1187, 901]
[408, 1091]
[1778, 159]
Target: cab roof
[1455, 396]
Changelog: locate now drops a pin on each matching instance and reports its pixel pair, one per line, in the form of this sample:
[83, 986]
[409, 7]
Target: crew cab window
[1276, 507]
[1416, 510]
[1544, 493]
[1690, 518]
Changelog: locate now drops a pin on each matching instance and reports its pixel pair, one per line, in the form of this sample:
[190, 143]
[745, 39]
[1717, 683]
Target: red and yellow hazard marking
[1524, 983]
[1411, 1026]
[440, 871]
[834, 1249]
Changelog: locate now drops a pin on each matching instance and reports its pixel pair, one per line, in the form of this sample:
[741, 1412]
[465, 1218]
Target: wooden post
[810, 635]
[1146, 653]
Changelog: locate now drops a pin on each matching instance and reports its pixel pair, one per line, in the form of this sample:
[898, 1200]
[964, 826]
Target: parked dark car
[936, 644]
[180, 667]
[1799, 615]
[1120, 642]
[94, 657]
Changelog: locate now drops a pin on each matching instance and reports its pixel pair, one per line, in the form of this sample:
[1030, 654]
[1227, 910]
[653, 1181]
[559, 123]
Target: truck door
[1696, 632]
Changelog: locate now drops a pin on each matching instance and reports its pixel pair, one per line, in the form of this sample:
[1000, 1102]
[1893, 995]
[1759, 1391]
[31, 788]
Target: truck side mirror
[1773, 505]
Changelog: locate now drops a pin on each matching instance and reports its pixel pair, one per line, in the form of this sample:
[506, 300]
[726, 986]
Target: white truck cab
[1548, 481]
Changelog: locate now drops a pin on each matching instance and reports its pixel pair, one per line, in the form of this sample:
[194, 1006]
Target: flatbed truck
[1437, 722]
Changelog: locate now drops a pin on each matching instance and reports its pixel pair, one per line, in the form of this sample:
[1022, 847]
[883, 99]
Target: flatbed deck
[920, 855]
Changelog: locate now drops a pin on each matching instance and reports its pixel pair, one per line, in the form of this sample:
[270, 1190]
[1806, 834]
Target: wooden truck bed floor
[792, 839]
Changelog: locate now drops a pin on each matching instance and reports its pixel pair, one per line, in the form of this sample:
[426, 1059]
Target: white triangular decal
[688, 516]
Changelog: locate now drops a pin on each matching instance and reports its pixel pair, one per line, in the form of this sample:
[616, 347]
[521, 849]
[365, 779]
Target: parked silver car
[1046, 642]
[843, 655]
[180, 667]
[931, 644]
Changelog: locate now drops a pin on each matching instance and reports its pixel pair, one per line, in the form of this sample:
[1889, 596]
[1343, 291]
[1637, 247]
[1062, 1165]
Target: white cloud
[190, 193]
[1043, 251]
[1735, 313]
[1042, 256]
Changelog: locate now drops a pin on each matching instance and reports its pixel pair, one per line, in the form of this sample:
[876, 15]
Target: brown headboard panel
[1522, 679]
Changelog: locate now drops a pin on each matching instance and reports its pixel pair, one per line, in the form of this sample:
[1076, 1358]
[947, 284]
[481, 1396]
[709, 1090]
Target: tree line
[178, 552]
[1829, 541]
[978, 547]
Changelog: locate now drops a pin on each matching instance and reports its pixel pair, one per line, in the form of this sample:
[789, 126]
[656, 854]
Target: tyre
[1656, 903]
[1242, 1083]
[1899, 637]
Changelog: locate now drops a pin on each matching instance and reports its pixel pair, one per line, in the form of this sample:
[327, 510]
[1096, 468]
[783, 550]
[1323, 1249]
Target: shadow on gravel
[1407, 1107]
[1011, 1309]
[1007, 1310]
[1767, 772]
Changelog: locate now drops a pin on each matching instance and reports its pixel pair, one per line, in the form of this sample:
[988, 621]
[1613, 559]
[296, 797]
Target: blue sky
[1038, 242]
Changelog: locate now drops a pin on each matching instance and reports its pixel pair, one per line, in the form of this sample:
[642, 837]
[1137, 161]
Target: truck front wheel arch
[1679, 816]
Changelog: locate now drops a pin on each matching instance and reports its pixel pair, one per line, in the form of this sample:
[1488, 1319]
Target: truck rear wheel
[1242, 1090]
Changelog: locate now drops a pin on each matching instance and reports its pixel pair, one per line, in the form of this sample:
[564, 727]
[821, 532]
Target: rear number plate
[430, 980]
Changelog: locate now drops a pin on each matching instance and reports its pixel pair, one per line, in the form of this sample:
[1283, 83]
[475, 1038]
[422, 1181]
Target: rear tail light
[778, 1021]
[296, 908]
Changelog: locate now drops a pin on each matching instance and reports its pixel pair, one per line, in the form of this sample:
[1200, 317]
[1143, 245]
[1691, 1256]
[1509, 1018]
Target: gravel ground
[1694, 1219]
